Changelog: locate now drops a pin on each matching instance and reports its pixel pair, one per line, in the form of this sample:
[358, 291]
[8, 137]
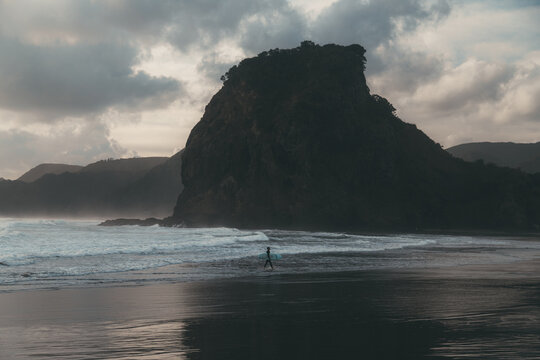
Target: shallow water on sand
[61, 253]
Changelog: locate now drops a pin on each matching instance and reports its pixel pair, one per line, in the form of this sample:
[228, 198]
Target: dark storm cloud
[344, 22]
[77, 57]
[87, 20]
[73, 80]
[183, 23]
[265, 24]
[273, 29]
[203, 23]
[375, 25]
[76, 71]
[372, 23]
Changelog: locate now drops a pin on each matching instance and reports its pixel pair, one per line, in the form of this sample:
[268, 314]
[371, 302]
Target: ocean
[39, 253]
[70, 289]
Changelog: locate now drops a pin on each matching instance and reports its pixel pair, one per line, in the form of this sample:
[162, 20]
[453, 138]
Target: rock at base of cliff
[140, 222]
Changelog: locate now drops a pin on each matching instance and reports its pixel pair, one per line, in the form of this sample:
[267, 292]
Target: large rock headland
[294, 139]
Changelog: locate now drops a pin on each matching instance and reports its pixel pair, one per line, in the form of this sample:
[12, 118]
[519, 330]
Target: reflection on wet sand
[100, 323]
[430, 313]
[377, 315]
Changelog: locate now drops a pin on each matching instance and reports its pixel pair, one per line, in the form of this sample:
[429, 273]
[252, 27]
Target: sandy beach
[481, 311]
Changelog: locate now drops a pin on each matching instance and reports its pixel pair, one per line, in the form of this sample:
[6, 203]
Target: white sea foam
[32, 250]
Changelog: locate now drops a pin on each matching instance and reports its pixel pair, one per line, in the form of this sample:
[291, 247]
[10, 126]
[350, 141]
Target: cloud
[462, 71]
[71, 58]
[183, 23]
[204, 23]
[400, 71]
[372, 23]
[472, 76]
[75, 142]
[475, 101]
[246, 29]
[491, 31]
[519, 100]
[273, 28]
[214, 66]
[467, 85]
[85, 21]
[72, 80]
[380, 26]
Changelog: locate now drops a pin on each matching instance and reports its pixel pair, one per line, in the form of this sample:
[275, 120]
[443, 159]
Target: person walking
[268, 259]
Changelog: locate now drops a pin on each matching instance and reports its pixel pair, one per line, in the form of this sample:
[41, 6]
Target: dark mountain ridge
[127, 187]
[295, 140]
[43, 169]
[131, 165]
[525, 157]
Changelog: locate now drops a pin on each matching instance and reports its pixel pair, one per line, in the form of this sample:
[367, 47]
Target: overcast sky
[85, 80]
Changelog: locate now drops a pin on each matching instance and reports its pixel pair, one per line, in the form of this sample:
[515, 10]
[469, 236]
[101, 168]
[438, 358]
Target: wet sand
[480, 312]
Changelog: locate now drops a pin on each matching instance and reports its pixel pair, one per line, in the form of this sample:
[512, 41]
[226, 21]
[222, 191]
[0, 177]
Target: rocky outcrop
[295, 139]
[139, 222]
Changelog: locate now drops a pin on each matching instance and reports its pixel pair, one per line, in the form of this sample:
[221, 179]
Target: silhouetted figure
[268, 259]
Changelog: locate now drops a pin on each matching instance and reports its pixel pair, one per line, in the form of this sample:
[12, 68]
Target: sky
[86, 80]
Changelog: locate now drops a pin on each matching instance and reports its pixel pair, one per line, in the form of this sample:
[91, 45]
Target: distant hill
[525, 157]
[132, 165]
[124, 187]
[42, 169]
[150, 194]
[294, 139]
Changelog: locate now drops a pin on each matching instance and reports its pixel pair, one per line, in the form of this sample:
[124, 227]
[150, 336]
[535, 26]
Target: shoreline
[497, 270]
[409, 259]
[167, 222]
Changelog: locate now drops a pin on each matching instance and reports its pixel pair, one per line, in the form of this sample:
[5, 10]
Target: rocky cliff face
[294, 139]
